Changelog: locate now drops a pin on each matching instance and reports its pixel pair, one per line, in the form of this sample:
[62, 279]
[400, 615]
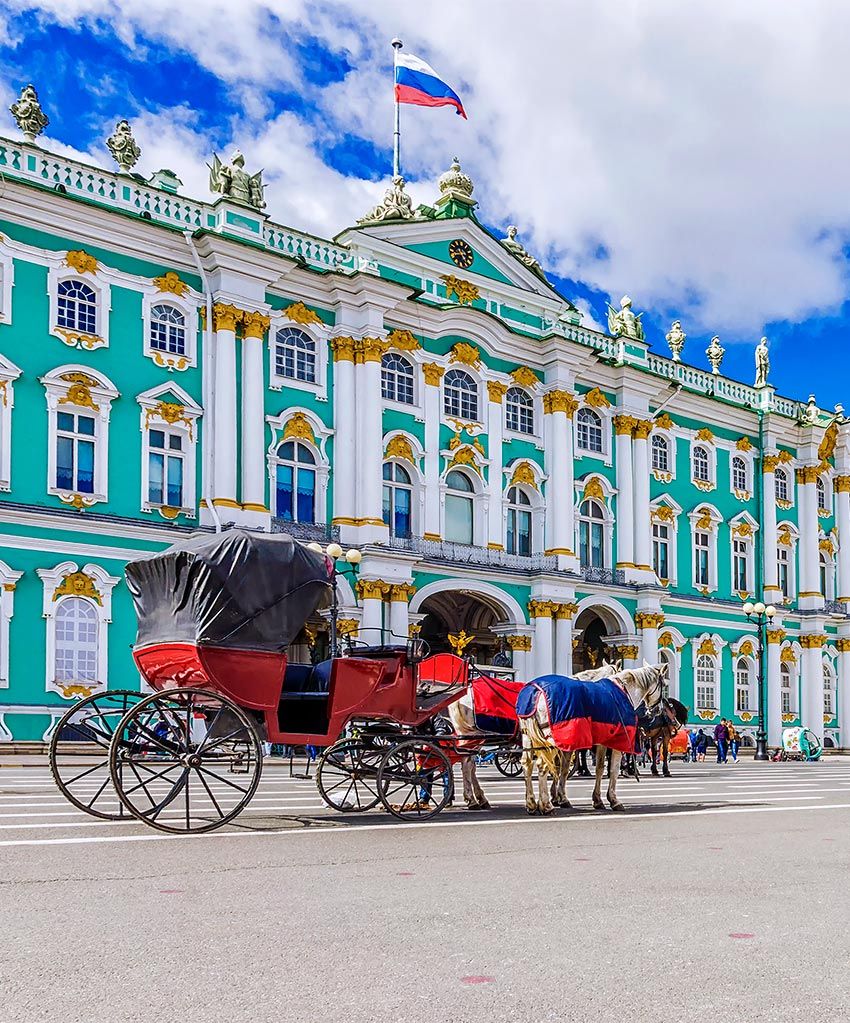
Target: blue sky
[636, 154]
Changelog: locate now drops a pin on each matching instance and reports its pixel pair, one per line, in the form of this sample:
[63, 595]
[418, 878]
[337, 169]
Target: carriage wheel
[185, 760]
[85, 784]
[347, 775]
[509, 762]
[415, 780]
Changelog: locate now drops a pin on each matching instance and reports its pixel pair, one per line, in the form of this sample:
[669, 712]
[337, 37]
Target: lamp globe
[353, 556]
[758, 608]
[334, 551]
[317, 547]
[748, 607]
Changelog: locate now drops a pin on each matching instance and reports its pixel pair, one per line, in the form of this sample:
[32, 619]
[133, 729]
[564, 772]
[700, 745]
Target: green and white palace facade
[414, 388]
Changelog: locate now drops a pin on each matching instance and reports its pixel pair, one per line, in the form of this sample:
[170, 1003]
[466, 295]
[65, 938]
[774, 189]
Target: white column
[399, 623]
[625, 493]
[773, 710]
[371, 593]
[370, 439]
[843, 646]
[842, 520]
[811, 715]
[648, 623]
[541, 614]
[433, 373]
[345, 437]
[809, 595]
[253, 415]
[521, 648]
[558, 407]
[640, 460]
[768, 530]
[495, 481]
[564, 639]
[225, 318]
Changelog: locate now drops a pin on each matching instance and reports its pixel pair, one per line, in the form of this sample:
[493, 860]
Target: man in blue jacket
[721, 737]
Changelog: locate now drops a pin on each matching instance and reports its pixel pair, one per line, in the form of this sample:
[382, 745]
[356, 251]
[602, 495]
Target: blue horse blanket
[582, 714]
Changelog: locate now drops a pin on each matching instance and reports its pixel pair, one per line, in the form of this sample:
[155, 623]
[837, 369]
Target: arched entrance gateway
[454, 611]
[601, 633]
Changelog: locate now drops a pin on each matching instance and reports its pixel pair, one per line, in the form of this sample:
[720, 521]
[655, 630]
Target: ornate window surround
[711, 450]
[536, 507]
[536, 436]
[93, 584]
[417, 485]
[479, 501]
[669, 474]
[305, 427]
[99, 279]
[700, 647]
[664, 518]
[674, 647]
[782, 528]
[7, 281]
[182, 417]
[189, 304]
[794, 668]
[87, 392]
[746, 457]
[9, 373]
[606, 415]
[480, 391]
[8, 581]
[320, 334]
[699, 524]
[743, 527]
[605, 499]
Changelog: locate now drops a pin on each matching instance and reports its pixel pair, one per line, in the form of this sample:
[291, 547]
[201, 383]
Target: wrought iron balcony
[467, 554]
[318, 531]
[612, 576]
[835, 607]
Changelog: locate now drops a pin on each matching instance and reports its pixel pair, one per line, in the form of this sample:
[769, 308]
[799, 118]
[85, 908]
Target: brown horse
[661, 730]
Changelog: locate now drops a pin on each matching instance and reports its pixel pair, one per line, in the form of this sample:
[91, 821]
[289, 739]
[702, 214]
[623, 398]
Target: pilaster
[345, 438]
[432, 375]
[768, 531]
[559, 406]
[842, 645]
[642, 527]
[225, 319]
[625, 536]
[809, 595]
[841, 486]
[254, 508]
[648, 623]
[774, 687]
[812, 641]
[495, 420]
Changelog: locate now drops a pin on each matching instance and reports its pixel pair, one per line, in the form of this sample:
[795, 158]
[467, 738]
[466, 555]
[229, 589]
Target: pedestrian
[721, 737]
[693, 736]
[734, 742]
[702, 745]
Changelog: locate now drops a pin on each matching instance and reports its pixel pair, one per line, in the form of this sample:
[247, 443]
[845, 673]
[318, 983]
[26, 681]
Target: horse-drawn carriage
[216, 614]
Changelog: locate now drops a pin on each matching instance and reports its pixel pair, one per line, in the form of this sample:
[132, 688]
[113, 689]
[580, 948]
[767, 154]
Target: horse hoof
[531, 809]
[547, 811]
[485, 805]
[618, 808]
[598, 804]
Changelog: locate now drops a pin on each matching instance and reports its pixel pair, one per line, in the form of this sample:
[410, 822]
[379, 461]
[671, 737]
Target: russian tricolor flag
[418, 83]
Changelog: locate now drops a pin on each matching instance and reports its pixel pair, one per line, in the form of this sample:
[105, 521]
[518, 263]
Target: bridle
[657, 694]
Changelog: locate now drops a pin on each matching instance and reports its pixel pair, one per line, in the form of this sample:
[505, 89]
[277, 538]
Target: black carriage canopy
[236, 589]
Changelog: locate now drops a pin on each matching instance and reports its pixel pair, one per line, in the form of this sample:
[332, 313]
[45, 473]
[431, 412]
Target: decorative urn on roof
[454, 184]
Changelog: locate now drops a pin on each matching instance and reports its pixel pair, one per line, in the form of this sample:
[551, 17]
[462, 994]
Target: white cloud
[694, 155]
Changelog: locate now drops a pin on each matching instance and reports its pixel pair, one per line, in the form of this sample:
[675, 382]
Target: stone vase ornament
[123, 147]
[676, 338]
[715, 353]
[29, 116]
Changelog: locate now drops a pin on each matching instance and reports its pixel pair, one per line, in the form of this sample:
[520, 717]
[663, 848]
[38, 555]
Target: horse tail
[539, 745]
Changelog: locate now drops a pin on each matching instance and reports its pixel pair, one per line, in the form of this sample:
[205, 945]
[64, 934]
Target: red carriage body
[218, 612]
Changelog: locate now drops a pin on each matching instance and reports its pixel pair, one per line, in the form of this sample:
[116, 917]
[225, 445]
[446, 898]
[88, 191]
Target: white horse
[641, 685]
[462, 716]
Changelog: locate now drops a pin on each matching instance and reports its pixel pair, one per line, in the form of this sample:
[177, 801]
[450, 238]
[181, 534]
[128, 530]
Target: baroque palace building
[546, 492]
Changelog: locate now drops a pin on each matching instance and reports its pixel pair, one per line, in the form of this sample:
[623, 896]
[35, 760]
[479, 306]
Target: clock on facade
[461, 254]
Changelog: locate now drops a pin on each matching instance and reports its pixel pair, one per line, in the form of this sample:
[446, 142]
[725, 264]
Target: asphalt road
[721, 894]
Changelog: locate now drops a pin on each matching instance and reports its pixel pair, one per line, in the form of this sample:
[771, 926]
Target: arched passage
[598, 619]
[450, 608]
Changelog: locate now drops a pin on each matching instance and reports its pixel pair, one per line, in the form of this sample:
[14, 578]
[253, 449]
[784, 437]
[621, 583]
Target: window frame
[659, 441]
[526, 406]
[319, 334]
[188, 426]
[746, 488]
[460, 373]
[701, 683]
[830, 672]
[710, 457]
[477, 497]
[188, 305]
[413, 378]
[321, 434]
[602, 452]
[747, 687]
[781, 472]
[411, 487]
[99, 282]
[513, 509]
[589, 521]
[8, 582]
[297, 467]
[7, 282]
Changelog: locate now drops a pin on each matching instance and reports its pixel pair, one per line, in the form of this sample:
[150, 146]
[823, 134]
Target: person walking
[721, 737]
[734, 741]
[702, 745]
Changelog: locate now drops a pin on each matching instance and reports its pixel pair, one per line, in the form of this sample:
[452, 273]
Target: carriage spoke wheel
[85, 780]
[509, 762]
[415, 780]
[347, 775]
[185, 761]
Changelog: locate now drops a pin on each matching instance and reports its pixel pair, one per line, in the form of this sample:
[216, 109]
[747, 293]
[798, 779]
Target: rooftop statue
[124, 149]
[29, 116]
[810, 412]
[232, 180]
[676, 338]
[512, 245]
[396, 204]
[623, 322]
[762, 363]
[715, 353]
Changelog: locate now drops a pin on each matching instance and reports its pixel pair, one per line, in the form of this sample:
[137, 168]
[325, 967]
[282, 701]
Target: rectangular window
[782, 572]
[165, 468]
[75, 452]
[702, 543]
[661, 550]
[519, 532]
[739, 549]
[786, 701]
[705, 697]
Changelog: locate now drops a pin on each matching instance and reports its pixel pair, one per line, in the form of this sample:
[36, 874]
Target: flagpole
[396, 45]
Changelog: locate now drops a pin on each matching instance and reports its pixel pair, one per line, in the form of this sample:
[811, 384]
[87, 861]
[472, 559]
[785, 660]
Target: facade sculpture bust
[762, 363]
[231, 179]
[512, 245]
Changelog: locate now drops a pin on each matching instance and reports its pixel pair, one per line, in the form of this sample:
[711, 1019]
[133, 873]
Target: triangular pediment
[460, 246]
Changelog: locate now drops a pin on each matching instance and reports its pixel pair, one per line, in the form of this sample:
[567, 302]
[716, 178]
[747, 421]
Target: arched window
[591, 534]
[518, 534]
[76, 641]
[519, 411]
[77, 307]
[828, 690]
[661, 549]
[589, 430]
[701, 464]
[398, 499]
[168, 330]
[459, 507]
[396, 378]
[295, 483]
[460, 395]
[295, 355]
[739, 473]
[821, 494]
[705, 682]
[826, 575]
[660, 453]
[671, 681]
[781, 477]
[742, 686]
[785, 689]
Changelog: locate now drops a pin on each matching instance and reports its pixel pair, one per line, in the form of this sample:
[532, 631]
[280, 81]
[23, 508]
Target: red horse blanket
[494, 704]
[582, 714]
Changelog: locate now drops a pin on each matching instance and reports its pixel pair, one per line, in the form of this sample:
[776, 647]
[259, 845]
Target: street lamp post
[334, 554]
[760, 615]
